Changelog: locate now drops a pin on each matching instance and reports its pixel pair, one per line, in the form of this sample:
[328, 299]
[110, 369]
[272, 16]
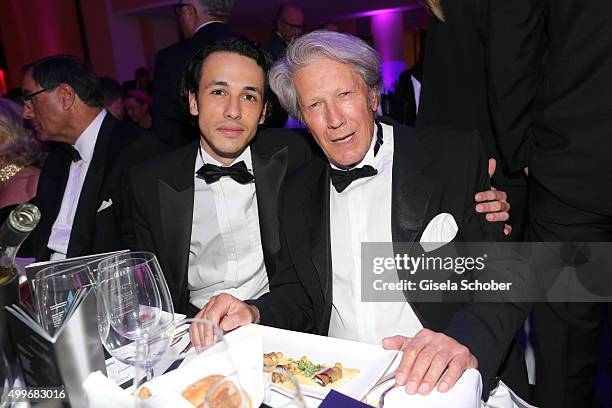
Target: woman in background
[138, 107]
[21, 156]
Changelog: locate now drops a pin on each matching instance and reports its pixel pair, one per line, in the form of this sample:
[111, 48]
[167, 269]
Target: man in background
[203, 22]
[79, 188]
[113, 97]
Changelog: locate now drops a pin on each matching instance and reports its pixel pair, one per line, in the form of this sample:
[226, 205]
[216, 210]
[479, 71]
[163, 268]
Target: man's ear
[193, 104]
[262, 118]
[66, 95]
[373, 100]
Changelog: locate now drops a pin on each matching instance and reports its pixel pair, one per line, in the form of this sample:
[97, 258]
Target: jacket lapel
[269, 174]
[176, 194]
[85, 216]
[411, 190]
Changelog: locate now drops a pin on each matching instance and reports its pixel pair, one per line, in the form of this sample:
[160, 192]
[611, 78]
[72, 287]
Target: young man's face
[337, 108]
[229, 104]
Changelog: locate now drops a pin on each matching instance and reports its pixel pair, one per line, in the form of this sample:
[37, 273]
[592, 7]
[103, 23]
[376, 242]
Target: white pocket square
[105, 205]
[441, 230]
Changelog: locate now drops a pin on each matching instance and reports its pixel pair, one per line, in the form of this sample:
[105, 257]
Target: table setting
[149, 361]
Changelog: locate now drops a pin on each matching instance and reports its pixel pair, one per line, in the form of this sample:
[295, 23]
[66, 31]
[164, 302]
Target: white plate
[371, 361]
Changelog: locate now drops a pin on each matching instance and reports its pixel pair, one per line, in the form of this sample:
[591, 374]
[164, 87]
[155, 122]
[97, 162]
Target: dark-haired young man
[80, 182]
[209, 209]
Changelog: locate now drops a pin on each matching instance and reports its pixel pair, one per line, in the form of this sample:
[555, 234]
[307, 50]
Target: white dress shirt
[62, 227]
[225, 254]
[362, 213]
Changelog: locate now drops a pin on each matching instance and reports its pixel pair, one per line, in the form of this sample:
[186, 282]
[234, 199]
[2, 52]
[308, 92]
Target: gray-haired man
[399, 179]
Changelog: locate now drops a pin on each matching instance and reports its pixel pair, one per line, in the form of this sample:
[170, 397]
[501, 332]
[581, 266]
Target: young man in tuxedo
[80, 183]
[209, 209]
[375, 183]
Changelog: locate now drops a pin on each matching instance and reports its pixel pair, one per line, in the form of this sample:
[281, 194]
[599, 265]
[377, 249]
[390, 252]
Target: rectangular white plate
[371, 361]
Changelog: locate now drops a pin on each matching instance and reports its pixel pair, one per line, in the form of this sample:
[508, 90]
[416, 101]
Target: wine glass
[134, 308]
[56, 288]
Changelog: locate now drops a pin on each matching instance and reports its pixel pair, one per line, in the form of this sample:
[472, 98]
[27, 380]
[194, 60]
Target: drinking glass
[56, 288]
[134, 309]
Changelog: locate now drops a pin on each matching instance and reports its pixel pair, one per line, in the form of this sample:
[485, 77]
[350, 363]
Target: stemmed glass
[56, 288]
[134, 308]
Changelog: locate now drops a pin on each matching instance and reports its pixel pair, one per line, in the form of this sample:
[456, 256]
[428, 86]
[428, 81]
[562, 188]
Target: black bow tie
[238, 171]
[71, 151]
[341, 179]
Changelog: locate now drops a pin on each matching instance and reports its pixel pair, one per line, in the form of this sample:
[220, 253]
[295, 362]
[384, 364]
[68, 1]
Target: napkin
[245, 358]
[441, 230]
[465, 394]
[102, 392]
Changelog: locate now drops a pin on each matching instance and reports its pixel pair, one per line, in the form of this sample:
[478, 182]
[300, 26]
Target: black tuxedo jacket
[552, 77]
[434, 170]
[170, 116]
[93, 231]
[162, 194]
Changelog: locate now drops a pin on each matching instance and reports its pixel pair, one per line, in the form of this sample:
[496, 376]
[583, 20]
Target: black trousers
[567, 334]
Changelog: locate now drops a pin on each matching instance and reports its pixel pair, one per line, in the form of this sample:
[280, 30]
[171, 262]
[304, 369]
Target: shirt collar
[204, 157]
[86, 142]
[205, 24]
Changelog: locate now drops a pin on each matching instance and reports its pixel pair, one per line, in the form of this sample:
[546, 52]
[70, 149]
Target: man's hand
[426, 357]
[224, 310]
[493, 203]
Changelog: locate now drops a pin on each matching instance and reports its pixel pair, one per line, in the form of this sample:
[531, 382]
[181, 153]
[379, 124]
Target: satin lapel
[411, 195]
[85, 216]
[269, 175]
[316, 211]
[411, 190]
[176, 195]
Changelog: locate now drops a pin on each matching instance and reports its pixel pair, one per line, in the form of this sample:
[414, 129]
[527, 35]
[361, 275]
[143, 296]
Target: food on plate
[221, 393]
[329, 375]
[272, 359]
[227, 395]
[196, 392]
[144, 393]
[305, 371]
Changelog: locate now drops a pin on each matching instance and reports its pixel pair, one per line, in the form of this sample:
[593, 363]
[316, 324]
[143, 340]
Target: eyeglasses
[177, 8]
[294, 26]
[27, 98]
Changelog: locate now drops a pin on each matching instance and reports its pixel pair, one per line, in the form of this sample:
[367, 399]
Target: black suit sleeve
[287, 305]
[487, 329]
[516, 50]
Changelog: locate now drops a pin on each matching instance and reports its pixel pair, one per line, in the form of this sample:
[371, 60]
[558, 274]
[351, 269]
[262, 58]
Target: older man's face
[337, 108]
[45, 110]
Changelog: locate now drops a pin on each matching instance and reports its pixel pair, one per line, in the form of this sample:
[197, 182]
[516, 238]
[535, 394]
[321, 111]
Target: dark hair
[240, 46]
[141, 72]
[53, 71]
[111, 90]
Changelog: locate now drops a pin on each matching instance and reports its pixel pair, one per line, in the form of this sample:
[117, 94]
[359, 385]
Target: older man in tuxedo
[79, 190]
[375, 183]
